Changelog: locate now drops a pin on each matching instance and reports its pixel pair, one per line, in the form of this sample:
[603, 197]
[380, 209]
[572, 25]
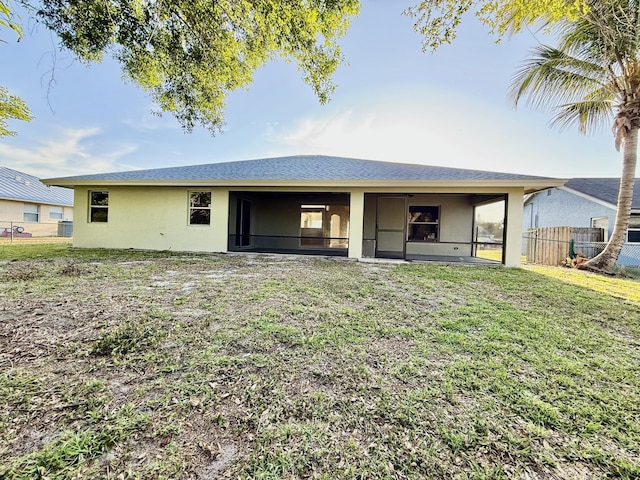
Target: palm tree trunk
[607, 259]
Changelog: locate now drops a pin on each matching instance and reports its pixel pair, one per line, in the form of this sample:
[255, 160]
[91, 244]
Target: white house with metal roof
[29, 206]
[300, 204]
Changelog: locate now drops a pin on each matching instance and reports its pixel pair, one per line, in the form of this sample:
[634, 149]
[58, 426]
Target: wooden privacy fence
[552, 245]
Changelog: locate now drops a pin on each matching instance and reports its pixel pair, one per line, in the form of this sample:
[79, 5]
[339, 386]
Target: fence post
[11, 234]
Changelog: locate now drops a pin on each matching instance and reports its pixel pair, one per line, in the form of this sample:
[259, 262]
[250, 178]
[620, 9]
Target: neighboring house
[31, 206]
[586, 202]
[301, 204]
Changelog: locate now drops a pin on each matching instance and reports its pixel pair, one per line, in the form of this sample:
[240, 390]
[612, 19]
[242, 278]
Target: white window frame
[634, 226]
[95, 208]
[56, 213]
[194, 206]
[26, 215]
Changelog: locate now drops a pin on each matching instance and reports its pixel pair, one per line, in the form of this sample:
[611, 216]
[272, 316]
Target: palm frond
[588, 115]
[551, 77]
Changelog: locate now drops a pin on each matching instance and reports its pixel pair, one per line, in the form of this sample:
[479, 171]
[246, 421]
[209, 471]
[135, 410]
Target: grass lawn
[142, 365]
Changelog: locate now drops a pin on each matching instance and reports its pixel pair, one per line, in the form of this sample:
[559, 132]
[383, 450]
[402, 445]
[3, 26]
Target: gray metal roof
[304, 168]
[604, 189]
[15, 185]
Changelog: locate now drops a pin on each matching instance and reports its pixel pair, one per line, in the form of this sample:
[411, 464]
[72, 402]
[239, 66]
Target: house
[300, 204]
[30, 207]
[586, 202]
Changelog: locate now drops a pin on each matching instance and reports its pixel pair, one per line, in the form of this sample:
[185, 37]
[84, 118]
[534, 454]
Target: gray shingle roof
[605, 189]
[15, 185]
[303, 167]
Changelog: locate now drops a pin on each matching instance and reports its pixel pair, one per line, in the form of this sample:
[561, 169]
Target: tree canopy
[190, 54]
[437, 21]
[11, 107]
[7, 20]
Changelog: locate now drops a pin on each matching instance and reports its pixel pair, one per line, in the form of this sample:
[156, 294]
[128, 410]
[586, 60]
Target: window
[633, 233]
[423, 225]
[31, 213]
[98, 206]
[55, 213]
[199, 208]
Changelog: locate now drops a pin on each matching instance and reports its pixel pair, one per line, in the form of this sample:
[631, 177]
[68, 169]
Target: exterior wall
[513, 235]
[455, 224]
[156, 218]
[152, 218]
[12, 212]
[356, 228]
[560, 208]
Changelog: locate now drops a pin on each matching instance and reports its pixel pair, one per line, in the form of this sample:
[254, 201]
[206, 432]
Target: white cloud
[71, 152]
[431, 128]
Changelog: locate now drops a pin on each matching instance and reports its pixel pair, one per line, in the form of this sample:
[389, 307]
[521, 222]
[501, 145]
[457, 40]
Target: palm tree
[593, 78]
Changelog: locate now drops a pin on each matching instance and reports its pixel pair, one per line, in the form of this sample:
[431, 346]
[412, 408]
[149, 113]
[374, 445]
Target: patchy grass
[157, 365]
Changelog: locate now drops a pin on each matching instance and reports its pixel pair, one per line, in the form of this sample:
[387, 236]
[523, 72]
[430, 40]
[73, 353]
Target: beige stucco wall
[455, 225]
[156, 218]
[12, 213]
[152, 218]
[513, 241]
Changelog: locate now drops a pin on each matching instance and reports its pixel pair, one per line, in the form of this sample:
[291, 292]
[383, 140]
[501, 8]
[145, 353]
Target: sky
[393, 102]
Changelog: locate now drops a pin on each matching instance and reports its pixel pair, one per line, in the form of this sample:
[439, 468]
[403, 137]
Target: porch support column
[356, 223]
[220, 219]
[513, 234]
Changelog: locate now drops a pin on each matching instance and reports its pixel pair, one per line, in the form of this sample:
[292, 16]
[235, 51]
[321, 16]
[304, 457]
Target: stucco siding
[12, 213]
[560, 208]
[152, 218]
[455, 225]
[513, 237]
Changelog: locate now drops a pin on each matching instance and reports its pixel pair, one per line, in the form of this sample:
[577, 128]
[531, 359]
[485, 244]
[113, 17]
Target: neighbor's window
[423, 224]
[31, 212]
[199, 208]
[633, 233]
[55, 213]
[98, 206]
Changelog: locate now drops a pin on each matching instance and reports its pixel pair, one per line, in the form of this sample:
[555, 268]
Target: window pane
[633, 236]
[200, 216]
[200, 199]
[423, 214]
[30, 212]
[55, 213]
[100, 198]
[99, 214]
[423, 223]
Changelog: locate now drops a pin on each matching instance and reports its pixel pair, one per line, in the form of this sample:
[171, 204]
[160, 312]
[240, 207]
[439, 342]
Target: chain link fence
[25, 232]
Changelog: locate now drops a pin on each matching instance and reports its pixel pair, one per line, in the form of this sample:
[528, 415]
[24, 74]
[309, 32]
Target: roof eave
[36, 200]
[530, 186]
